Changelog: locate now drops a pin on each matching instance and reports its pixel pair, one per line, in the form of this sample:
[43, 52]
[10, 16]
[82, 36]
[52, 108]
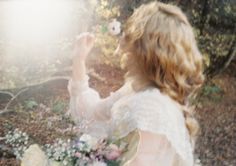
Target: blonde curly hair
[161, 50]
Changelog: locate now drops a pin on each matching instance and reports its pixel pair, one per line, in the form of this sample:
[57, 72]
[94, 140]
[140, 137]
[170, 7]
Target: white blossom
[89, 141]
[98, 163]
[114, 27]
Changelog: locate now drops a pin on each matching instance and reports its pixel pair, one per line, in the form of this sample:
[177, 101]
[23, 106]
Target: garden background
[36, 41]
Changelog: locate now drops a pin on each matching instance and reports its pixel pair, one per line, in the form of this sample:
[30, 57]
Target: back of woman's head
[161, 49]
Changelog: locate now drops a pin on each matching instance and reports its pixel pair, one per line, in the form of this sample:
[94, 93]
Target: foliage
[208, 90]
[214, 23]
[113, 163]
[105, 42]
[30, 104]
[106, 45]
[211, 92]
[18, 140]
[59, 106]
[107, 10]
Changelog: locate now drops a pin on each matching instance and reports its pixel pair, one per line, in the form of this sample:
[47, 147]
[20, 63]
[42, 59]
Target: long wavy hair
[159, 48]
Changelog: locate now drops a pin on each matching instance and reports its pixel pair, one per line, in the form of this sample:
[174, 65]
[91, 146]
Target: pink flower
[113, 152]
[78, 154]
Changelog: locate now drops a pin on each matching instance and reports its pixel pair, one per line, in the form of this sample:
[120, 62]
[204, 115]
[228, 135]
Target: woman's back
[153, 112]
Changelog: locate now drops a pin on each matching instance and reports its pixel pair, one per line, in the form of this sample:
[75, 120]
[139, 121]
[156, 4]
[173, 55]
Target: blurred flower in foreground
[114, 27]
[99, 163]
[85, 150]
[113, 152]
[90, 141]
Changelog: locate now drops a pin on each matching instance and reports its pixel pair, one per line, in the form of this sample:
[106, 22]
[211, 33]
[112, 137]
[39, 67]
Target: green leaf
[113, 163]
[30, 104]
[58, 106]
[104, 29]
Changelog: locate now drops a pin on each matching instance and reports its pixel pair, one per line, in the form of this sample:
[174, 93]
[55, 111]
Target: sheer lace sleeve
[87, 108]
[82, 99]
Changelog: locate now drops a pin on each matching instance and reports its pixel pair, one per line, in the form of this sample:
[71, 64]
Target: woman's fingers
[90, 40]
[85, 38]
[84, 44]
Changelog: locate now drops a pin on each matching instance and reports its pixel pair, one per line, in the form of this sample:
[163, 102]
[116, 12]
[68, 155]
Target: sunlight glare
[36, 20]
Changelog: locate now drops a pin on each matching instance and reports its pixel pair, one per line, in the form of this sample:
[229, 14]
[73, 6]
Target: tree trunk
[220, 64]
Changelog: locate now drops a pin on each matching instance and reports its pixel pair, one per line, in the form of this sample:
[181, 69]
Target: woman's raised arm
[85, 102]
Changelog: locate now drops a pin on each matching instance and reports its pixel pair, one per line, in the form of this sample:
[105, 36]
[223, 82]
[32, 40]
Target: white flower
[114, 27]
[197, 162]
[91, 142]
[98, 163]
[65, 162]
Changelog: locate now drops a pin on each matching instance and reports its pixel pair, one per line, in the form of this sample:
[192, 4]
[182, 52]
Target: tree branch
[222, 63]
[8, 93]
[5, 110]
[13, 97]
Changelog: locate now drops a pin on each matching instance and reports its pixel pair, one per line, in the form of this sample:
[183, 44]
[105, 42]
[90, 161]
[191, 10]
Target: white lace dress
[164, 138]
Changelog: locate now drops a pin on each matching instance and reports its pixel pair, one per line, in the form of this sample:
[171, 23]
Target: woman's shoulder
[151, 100]
[147, 110]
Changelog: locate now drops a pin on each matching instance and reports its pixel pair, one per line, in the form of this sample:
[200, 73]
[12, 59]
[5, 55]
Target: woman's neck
[138, 83]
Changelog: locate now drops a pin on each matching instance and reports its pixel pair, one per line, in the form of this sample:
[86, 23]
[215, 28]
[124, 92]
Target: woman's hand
[84, 44]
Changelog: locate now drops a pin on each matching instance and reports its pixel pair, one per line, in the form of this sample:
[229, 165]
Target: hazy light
[36, 38]
[36, 20]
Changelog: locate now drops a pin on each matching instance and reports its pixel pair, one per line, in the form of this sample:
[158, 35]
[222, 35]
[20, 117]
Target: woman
[164, 68]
